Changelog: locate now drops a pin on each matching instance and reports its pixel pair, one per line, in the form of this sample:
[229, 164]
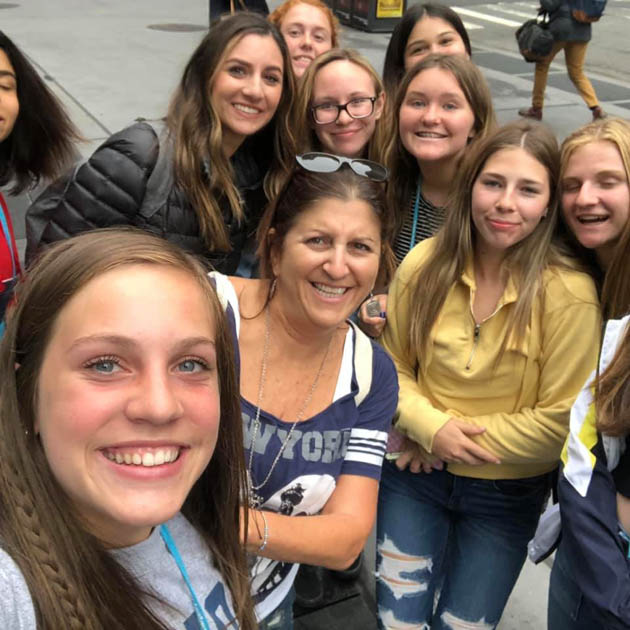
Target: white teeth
[329, 290]
[591, 219]
[148, 460]
[246, 109]
[428, 134]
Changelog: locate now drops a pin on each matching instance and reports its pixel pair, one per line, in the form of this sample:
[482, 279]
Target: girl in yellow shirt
[493, 333]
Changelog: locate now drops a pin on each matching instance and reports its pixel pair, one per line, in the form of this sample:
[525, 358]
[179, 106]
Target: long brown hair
[197, 131]
[615, 280]
[403, 166]
[306, 139]
[454, 245]
[74, 582]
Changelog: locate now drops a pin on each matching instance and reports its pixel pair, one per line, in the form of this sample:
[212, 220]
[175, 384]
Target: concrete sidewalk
[111, 61]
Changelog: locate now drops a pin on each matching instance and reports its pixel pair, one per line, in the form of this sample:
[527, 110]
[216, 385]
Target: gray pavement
[111, 61]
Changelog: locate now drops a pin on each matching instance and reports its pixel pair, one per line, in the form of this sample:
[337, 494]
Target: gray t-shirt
[156, 571]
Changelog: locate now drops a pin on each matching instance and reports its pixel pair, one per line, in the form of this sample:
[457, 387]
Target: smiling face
[128, 399]
[338, 83]
[307, 32]
[596, 197]
[9, 104]
[432, 35]
[435, 119]
[328, 261]
[509, 198]
[247, 88]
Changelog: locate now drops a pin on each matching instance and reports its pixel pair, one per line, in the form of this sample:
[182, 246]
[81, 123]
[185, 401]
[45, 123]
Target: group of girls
[124, 460]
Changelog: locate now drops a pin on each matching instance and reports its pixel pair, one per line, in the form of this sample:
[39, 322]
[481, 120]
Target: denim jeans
[282, 617]
[464, 537]
[567, 608]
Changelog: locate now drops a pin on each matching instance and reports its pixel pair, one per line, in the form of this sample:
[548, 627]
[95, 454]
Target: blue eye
[191, 366]
[103, 365]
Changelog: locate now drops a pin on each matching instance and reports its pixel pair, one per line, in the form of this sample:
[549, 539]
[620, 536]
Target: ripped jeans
[464, 537]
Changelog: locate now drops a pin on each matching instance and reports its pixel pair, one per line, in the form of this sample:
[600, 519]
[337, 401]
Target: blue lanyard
[414, 226]
[172, 547]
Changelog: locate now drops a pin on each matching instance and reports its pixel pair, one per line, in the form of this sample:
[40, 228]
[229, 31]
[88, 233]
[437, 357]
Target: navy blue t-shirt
[343, 439]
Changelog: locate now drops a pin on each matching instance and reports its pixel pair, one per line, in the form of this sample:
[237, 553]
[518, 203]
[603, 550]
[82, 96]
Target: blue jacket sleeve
[590, 532]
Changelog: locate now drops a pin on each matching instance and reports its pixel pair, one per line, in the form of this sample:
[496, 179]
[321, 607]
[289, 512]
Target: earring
[272, 288]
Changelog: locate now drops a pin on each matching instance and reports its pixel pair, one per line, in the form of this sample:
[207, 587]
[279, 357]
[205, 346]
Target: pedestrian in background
[572, 37]
[36, 143]
[202, 180]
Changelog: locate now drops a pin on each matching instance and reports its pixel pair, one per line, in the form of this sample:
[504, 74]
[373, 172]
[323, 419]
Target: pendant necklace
[255, 500]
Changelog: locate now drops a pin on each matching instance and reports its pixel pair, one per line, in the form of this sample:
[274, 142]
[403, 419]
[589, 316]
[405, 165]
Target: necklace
[255, 500]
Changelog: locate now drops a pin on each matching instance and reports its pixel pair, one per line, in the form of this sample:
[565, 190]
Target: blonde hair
[615, 290]
[277, 17]
[306, 139]
[403, 167]
[455, 243]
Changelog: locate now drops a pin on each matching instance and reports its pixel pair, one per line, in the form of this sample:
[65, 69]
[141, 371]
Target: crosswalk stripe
[531, 14]
[484, 16]
[472, 27]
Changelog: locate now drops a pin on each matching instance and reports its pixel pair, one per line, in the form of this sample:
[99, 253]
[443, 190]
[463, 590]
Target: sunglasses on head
[316, 162]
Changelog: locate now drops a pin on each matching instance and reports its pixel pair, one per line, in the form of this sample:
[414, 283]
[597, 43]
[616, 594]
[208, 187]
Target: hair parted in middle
[403, 166]
[394, 65]
[614, 281]
[455, 242]
[306, 139]
[73, 580]
[197, 131]
[303, 190]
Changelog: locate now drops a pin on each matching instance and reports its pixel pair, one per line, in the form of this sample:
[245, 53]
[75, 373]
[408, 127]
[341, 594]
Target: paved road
[113, 60]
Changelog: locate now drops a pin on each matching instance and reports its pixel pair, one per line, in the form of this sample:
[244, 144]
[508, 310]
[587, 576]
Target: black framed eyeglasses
[356, 108]
[328, 163]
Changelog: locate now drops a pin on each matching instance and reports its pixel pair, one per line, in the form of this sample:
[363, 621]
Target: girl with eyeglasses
[492, 331]
[317, 395]
[223, 149]
[36, 143]
[339, 106]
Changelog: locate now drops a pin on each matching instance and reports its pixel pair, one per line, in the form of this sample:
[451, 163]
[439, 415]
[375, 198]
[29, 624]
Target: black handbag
[534, 38]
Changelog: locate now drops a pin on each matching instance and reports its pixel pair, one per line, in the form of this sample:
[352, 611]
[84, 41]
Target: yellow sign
[389, 8]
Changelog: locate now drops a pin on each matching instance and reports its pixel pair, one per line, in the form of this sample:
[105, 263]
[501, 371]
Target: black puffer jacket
[561, 23]
[109, 189]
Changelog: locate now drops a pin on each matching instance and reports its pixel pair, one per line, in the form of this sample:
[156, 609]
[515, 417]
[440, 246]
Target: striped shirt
[430, 220]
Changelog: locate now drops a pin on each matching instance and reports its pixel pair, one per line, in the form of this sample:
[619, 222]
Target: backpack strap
[160, 180]
[363, 363]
